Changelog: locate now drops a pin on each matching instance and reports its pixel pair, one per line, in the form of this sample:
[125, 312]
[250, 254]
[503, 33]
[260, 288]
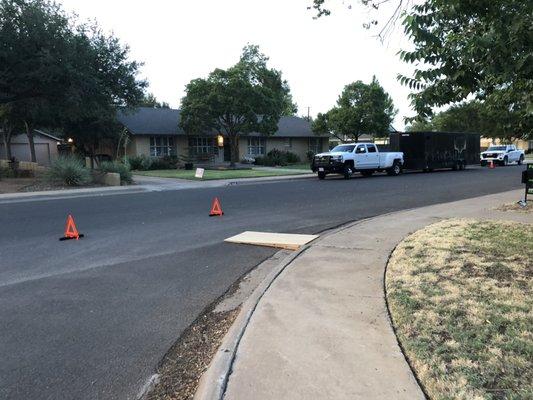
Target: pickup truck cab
[365, 158]
[502, 154]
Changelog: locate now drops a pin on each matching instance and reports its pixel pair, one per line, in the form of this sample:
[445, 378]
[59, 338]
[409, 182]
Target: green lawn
[297, 166]
[217, 174]
[459, 293]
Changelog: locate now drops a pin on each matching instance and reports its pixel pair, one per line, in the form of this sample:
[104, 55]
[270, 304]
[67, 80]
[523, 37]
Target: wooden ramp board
[281, 240]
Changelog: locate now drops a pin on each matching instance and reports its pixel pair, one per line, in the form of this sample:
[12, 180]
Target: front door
[219, 155]
[226, 151]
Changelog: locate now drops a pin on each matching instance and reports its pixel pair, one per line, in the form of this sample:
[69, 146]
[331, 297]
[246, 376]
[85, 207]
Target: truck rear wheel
[395, 170]
[321, 175]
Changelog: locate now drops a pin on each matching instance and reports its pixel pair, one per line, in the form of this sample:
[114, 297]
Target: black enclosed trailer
[433, 150]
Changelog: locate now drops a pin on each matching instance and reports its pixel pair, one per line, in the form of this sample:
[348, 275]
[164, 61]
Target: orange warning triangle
[216, 210]
[70, 229]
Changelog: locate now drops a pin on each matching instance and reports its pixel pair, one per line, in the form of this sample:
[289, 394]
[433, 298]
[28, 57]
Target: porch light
[70, 140]
[220, 141]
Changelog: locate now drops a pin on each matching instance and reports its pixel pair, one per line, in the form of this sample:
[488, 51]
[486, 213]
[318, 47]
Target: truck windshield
[496, 148]
[344, 148]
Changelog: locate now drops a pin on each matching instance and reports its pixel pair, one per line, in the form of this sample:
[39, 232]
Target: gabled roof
[294, 127]
[39, 132]
[151, 121]
[165, 121]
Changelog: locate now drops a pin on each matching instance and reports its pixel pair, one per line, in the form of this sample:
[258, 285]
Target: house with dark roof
[155, 132]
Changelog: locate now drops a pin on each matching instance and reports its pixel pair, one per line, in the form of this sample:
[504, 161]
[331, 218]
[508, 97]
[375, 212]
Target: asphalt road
[90, 319]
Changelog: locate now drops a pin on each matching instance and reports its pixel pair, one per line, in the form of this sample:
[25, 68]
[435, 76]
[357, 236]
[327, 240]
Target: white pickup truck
[365, 158]
[503, 155]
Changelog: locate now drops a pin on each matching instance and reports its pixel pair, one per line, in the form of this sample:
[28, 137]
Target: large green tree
[247, 97]
[468, 48]
[34, 37]
[149, 100]
[105, 80]
[361, 109]
[473, 116]
[57, 73]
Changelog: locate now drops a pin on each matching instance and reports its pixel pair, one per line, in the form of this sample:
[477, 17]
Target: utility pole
[309, 113]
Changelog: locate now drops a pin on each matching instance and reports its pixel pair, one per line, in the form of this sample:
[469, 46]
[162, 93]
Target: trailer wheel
[395, 170]
[321, 175]
[462, 165]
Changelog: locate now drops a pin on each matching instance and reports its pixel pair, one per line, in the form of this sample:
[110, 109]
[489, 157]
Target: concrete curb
[212, 385]
[214, 381]
[54, 194]
[192, 183]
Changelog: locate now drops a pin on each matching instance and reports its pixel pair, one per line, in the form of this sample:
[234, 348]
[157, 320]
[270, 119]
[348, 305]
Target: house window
[201, 145]
[256, 146]
[315, 145]
[288, 142]
[162, 146]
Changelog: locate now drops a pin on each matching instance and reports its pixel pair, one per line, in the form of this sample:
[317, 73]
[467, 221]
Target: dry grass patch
[528, 208]
[460, 296]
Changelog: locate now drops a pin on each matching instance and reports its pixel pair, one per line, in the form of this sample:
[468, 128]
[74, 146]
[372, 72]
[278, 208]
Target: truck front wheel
[395, 170]
[321, 175]
[347, 172]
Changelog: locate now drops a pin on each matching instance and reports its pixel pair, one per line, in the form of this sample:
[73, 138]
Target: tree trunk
[7, 142]
[29, 133]
[234, 150]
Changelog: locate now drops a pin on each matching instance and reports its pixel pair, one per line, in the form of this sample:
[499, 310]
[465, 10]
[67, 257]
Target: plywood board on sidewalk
[280, 240]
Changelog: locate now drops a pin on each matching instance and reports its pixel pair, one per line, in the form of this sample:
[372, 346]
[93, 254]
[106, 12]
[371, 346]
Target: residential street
[90, 319]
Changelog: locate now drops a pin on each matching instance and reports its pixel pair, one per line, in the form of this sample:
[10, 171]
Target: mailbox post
[527, 179]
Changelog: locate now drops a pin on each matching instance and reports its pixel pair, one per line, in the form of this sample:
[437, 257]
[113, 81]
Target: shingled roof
[151, 121]
[165, 121]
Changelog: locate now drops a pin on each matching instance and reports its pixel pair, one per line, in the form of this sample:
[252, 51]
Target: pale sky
[180, 40]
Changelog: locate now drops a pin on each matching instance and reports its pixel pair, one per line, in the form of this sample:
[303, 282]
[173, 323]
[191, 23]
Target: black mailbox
[527, 176]
[527, 179]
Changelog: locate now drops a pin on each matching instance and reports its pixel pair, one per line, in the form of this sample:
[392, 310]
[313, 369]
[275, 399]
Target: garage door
[21, 152]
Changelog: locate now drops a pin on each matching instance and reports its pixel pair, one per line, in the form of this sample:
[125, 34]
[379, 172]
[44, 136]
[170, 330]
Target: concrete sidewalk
[320, 328]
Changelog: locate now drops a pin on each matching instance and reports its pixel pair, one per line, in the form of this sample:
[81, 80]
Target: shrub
[115, 166]
[166, 162]
[277, 157]
[68, 170]
[6, 173]
[291, 157]
[310, 155]
[136, 162]
[145, 163]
